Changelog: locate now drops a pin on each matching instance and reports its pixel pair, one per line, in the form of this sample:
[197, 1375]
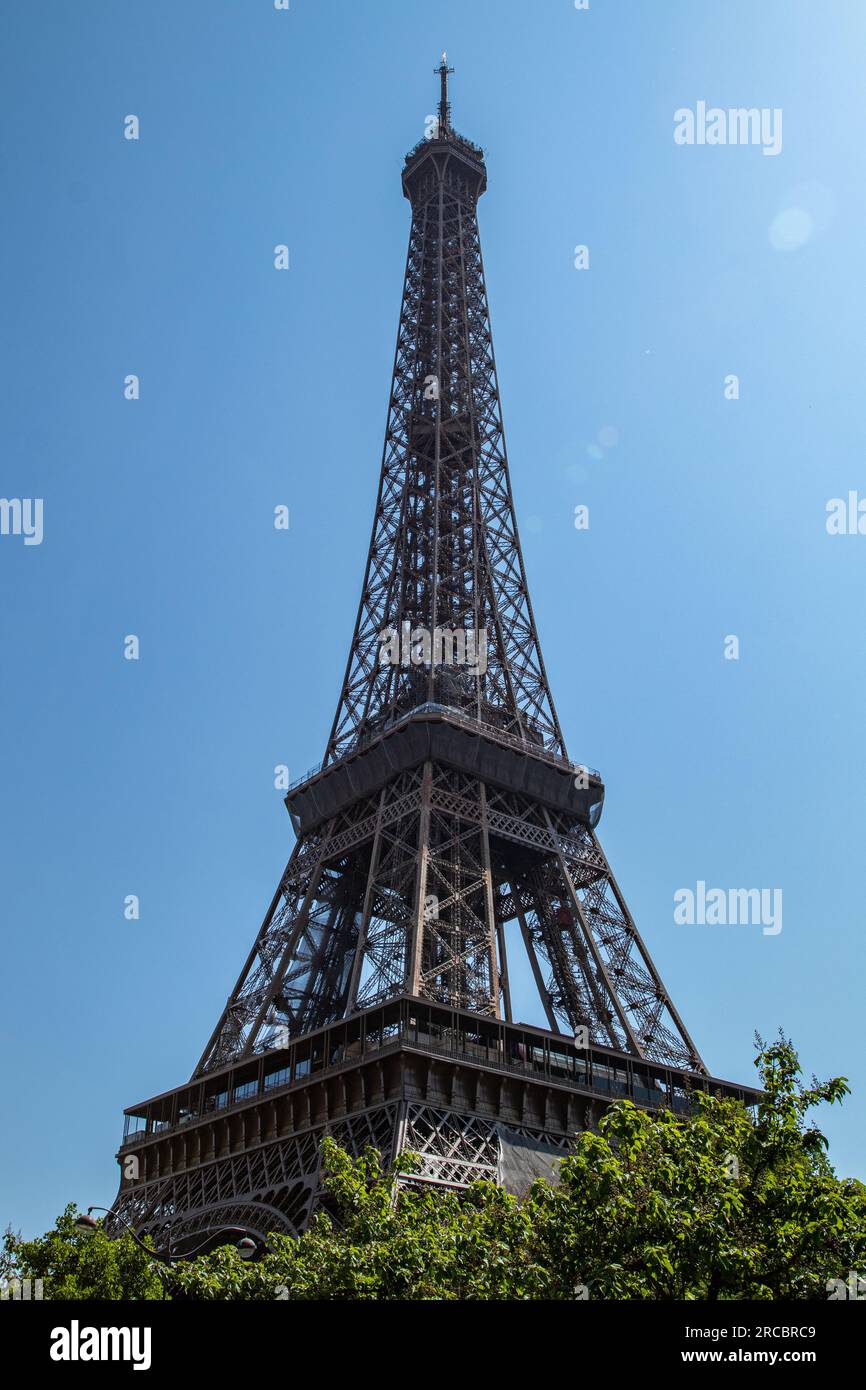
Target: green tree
[727, 1205]
[723, 1203]
[80, 1264]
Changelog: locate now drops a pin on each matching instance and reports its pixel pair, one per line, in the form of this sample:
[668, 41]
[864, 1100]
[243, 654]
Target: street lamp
[248, 1245]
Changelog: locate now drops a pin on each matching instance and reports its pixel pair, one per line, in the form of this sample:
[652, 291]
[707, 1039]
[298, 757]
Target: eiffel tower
[375, 1003]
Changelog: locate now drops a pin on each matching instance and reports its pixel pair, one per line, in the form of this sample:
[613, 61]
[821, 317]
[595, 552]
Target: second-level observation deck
[444, 734]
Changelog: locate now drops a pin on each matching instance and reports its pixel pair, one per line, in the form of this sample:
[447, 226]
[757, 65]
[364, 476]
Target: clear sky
[259, 387]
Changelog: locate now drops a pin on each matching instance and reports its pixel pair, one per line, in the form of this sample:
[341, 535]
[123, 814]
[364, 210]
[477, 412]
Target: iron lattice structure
[444, 809]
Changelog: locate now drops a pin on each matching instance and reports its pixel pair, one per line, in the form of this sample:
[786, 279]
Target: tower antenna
[444, 104]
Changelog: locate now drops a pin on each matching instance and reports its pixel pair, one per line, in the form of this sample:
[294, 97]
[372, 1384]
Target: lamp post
[248, 1245]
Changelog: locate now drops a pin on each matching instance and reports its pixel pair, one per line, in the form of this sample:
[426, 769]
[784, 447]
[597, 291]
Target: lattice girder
[410, 894]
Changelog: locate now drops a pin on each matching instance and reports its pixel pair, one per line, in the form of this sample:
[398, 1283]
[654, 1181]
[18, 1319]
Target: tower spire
[444, 104]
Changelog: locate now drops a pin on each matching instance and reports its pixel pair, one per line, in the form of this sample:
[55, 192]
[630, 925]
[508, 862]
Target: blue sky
[258, 387]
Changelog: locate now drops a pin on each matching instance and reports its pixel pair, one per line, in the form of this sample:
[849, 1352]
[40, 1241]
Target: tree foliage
[725, 1203]
[78, 1264]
